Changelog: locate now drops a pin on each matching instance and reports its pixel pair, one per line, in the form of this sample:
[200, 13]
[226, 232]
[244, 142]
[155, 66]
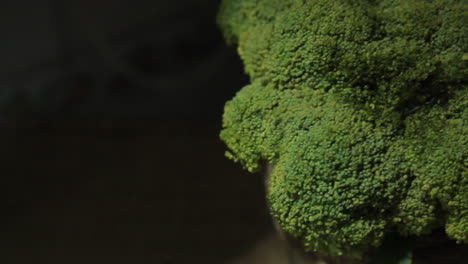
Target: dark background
[109, 118]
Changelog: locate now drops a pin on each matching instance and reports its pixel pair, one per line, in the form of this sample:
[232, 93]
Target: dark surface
[126, 192]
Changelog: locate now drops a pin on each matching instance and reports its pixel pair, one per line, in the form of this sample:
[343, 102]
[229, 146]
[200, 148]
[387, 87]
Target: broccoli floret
[362, 108]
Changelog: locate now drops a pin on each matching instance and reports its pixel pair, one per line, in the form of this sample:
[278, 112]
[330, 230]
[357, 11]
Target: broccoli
[362, 108]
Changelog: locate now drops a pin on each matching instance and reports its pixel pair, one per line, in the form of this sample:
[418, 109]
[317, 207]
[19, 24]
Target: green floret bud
[361, 107]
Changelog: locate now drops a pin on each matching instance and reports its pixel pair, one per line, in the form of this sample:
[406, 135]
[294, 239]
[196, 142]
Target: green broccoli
[362, 108]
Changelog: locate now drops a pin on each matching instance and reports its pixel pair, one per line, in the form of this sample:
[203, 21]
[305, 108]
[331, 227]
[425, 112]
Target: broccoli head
[362, 108]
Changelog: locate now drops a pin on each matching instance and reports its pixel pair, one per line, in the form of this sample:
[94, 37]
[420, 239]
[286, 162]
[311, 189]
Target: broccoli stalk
[362, 108]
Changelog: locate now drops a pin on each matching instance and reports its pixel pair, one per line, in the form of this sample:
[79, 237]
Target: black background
[109, 114]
